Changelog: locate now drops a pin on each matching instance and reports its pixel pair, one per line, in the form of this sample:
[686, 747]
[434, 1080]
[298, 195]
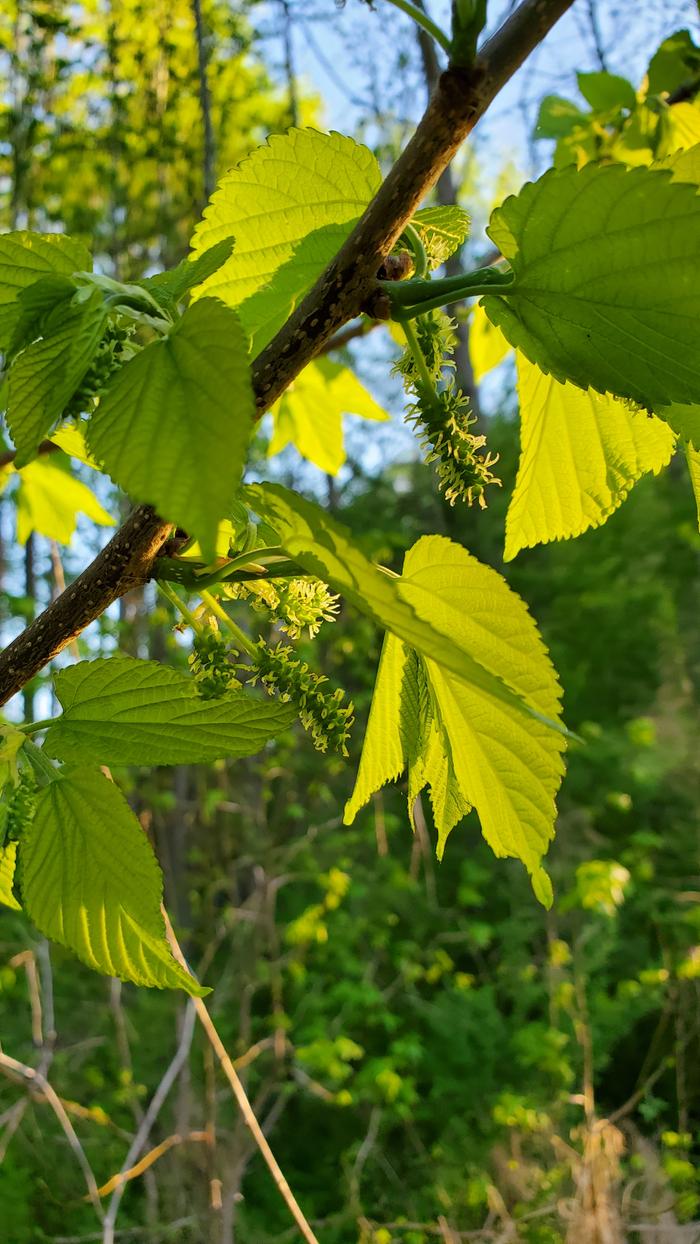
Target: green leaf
[685, 421]
[693, 459]
[557, 117]
[8, 862]
[266, 310]
[49, 500]
[673, 64]
[11, 741]
[607, 281]
[433, 627]
[470, 748]
[606, 91]
[487, 345]
[309, 414]
[169, 288]
[90, 881]
[581, 453]
[26, 257]
[121, 711]
[44, 376]
[442, 230]
[297, 183]
[679, 129]
[174, 425]
[34, 304]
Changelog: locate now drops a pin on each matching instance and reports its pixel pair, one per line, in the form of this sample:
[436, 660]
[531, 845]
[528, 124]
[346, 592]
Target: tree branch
[460, 99]
[126, 562]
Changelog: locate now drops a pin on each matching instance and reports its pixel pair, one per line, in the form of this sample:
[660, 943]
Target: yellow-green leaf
[581, 453]
[693, 460]
[49, 500]
[309, 415]
[8, 862]
[487, 345]
[470, 747]
[297, 183]
[90, 881]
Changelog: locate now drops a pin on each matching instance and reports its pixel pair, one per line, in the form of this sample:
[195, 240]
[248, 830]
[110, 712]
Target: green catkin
[113, 350]
[298, 605]
[211, 665]
[321, 712]
[442, 416]
[18, 809]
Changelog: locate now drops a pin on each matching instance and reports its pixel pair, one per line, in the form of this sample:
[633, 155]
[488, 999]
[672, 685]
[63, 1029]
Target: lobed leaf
[467, 746]
[49, 500]
[90, 881]
[433, 627]
[122, 711]
[310, 412]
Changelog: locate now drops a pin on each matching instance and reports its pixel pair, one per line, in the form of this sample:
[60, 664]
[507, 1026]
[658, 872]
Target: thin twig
[12, 1066]
[170, 1142]
[241, 1096]
[155, 1105]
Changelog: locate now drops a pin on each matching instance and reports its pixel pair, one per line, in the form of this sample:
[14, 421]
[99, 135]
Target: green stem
[219, 612]
[402, 314]
[422, 19]
[420, 258]
[449, 288]
[170, 594]
[419, 357]
[44, 771]
[33, 727]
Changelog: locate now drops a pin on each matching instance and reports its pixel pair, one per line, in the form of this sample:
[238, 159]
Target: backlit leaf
[122, 711]
[45, 375]
[581, 453]
[442, 231]
[8, 861]
[49, 500]
[90, 881]
[468, 746]
[25, 257]
[310, 412]
[297, 183]
[487, 345]
[607, 281]
[433, 627]
[174, 425]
